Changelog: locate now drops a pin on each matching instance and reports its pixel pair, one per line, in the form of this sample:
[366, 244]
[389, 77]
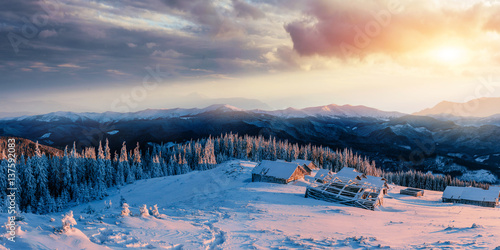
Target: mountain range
[396, 141]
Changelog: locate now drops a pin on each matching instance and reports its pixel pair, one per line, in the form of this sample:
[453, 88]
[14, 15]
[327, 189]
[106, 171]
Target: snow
[483, 158]
[478, 194]
[278, 169]
[481, 175]
[45, 136]
[222, 209]
[322, 174]
[452, 192]
[373, 180]
[114, 132]
[458, 155]
[302, 162]
[350, 173]
[332, 111]
[471, 193]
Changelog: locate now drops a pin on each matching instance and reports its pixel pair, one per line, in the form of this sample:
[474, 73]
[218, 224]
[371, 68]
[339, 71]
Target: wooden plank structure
[352, 192]
[323, 175]
[412, 191]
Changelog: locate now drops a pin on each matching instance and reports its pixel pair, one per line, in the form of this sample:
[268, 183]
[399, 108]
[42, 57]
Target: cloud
[357, 29]
[42, 67]
[167, 53]
[206, 14]
[245, 10]
[151, 45]
[131, 45]
[47, 33]
[116, 72]
[69, 65]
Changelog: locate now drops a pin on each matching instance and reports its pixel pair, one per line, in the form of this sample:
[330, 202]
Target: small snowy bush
[68, 221]
[107, 205]
[154, 210]
[144, 210]
[125, 210]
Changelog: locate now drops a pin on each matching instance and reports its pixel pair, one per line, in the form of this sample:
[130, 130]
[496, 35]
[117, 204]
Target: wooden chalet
[472, 196]
[309, 166]
[277, 172]
[412, 191]
[350, 188]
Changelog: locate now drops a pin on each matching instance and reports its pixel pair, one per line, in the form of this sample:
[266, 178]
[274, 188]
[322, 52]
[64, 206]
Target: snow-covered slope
[222, 209]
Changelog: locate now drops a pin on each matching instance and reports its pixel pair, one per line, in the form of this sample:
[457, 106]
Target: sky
[85, 55]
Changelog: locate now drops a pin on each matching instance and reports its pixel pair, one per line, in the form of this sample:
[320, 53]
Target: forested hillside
[48, 183]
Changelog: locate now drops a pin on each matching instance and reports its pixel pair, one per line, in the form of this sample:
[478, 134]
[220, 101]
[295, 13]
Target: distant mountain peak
[481, 107]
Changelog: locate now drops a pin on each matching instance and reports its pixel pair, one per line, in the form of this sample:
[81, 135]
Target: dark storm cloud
[56, 43]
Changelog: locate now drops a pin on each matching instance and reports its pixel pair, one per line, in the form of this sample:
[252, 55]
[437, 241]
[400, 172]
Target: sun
[449, 55]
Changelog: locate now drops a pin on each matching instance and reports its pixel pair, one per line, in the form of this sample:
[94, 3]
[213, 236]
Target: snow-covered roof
[373, 180]
[350, 173]
[302, 162]
[452, 192]
[478, 194]
[496, 188]
[278, 169]
[471, 193]
[321, 174]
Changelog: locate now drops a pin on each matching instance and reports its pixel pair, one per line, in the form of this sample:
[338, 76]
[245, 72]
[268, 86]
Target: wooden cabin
[277, 172]
[412, 191]
[309, 166]
[352, 188]
[472, 196]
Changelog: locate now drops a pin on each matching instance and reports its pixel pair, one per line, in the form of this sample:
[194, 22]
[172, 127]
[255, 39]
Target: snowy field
[222, 209]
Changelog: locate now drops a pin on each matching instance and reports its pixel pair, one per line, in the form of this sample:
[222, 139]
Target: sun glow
[449, 55]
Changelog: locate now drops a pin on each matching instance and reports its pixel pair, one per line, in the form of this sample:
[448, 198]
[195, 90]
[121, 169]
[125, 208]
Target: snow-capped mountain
[148, 114]
[152, 114]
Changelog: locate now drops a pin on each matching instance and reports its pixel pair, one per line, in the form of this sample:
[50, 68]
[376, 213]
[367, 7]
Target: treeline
[50, 183]
[428, 181]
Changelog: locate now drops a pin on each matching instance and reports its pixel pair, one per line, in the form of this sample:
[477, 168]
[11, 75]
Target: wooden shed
[277, 172]
[472, 196]
[412, 191]
[309, 166]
